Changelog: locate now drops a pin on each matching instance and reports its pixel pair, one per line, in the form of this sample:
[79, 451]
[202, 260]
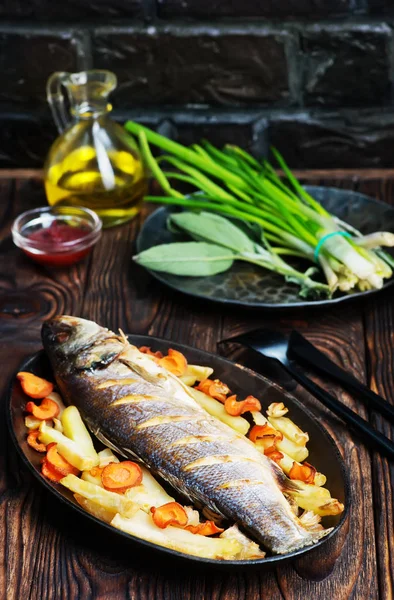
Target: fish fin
[123, 337]
[310, 538]
[285, 484]
[99, 354]
[289, 486]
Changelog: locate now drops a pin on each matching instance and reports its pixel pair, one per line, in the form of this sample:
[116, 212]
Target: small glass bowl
[57, 252]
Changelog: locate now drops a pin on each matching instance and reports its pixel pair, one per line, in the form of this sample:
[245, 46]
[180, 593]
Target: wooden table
[48, 553]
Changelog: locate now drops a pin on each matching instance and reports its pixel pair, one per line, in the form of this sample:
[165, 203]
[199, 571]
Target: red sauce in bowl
[57, 236]
[51, 241]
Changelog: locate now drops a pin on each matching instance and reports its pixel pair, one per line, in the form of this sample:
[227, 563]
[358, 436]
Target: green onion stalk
[286, 218]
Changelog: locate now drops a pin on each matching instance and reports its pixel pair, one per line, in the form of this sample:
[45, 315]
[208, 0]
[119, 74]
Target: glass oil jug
[94, 162]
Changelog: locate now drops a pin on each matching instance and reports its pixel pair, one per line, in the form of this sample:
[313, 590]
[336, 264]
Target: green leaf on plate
[191, 259]
[210, 227]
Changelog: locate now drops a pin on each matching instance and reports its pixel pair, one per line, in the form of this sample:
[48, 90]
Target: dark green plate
[248, 285]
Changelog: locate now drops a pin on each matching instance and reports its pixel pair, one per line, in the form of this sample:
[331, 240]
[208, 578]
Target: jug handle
[56, 97]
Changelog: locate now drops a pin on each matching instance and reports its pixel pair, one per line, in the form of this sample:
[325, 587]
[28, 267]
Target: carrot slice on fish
[32, 440]
[49, 472]
[264, 435]
[59, 464]
[214, 388]
[235, 408]
[34, 386]
[147, 350]
[171, 513]
[119, 477]
[48, 409]
[207, 528]
[174, 362]
[304, 472]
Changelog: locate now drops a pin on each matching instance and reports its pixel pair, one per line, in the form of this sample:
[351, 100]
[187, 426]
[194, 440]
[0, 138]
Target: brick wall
[313, 77]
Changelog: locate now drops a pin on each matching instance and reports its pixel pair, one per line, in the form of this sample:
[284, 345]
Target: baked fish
[140, 410]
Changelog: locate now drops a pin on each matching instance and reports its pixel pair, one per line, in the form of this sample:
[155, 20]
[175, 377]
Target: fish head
[66, 336]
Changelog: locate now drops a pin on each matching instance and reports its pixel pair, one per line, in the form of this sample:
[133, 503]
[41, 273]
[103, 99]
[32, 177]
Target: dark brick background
[69, 10]
[346, 66]
[313, 77]
[181, 66]
[254, 8]
[27, 58]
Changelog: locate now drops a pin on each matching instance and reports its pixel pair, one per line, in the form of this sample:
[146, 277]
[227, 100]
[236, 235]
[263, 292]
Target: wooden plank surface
[48, 553]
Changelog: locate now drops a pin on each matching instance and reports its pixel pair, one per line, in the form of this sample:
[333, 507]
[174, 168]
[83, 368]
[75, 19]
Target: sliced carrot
[207, 528]
[48, 409]
[304, 472]
[147, 350]
[171, 513]
[97, 471]
[34, 386]
[174, 362]
[214, 388]
[32, 440]
[265, 435]
[273, 454]
[235, 409]
[49, 472]
[119, 477]
[58, 463]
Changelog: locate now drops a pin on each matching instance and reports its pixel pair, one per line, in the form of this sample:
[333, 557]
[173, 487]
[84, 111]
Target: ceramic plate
[248, 285]
[324, 454]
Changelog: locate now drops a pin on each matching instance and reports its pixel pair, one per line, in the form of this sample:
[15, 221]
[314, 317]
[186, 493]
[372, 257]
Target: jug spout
[87, 94]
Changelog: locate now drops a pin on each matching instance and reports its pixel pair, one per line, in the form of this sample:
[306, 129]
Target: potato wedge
[75, 429]
[57, 424]
[329, 508]
[96, 479]
[67, 448]
[95, 509]
[216, 409]
[189, 380]
[195, 373]
[289, 430]
[258, 418]
[315, 498]
[106, 457]
[249, 549]
[149, 493]
[296, 452]
[200, 372]
[32, 423]
[142, 526]
[107, 500]
[320, 479]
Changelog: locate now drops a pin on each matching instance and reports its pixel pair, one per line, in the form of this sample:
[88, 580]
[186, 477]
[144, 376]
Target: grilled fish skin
[144, 412]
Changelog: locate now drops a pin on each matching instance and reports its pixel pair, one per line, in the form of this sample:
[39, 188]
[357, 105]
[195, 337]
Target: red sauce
[51, 243]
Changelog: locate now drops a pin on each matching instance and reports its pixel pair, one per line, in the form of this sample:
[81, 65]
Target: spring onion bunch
[287, 220]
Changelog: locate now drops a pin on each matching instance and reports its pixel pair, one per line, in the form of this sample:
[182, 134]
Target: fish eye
[62, 337]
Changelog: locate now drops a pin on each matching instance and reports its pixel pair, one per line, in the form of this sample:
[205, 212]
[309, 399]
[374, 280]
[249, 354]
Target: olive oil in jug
[94, 162]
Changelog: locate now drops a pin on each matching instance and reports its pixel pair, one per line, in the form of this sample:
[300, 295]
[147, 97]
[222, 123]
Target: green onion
[282, 219]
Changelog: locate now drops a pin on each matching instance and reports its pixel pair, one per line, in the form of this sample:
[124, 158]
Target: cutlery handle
[305, 351]
[371, 437]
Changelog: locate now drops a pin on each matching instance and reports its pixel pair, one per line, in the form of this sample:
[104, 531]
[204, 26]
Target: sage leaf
[210, 227]
[191, 259]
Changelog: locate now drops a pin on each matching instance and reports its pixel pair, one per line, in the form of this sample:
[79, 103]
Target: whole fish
[142, 411]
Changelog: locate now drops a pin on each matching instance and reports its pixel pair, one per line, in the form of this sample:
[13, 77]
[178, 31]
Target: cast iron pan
[324, 454]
